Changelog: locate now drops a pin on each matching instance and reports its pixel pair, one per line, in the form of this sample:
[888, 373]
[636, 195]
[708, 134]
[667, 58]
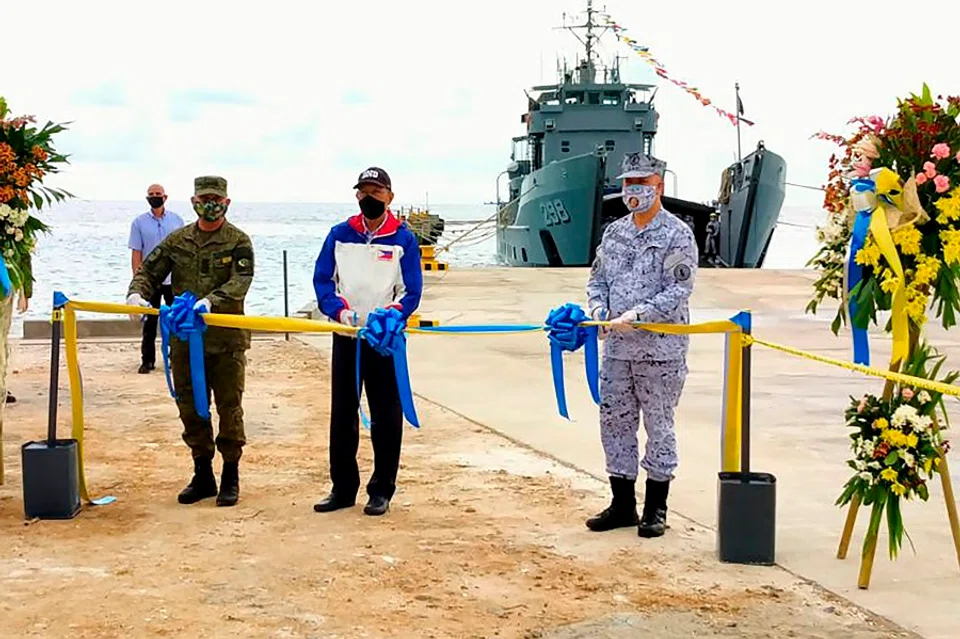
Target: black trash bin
[747, 518]
[51, 478]
[51, 485]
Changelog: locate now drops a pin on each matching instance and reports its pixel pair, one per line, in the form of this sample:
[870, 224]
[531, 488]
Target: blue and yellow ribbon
[5, 282]
[873, 221]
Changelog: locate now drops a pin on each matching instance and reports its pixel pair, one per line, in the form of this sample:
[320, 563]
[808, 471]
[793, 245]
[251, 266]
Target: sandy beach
[484, 538]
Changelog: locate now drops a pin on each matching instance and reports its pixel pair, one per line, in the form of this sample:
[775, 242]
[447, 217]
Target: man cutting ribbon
[643, 272]
[213, 260]
[371, 261]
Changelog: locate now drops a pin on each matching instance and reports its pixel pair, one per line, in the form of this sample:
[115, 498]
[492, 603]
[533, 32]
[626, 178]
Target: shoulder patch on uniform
[678, 265]
[244, 257]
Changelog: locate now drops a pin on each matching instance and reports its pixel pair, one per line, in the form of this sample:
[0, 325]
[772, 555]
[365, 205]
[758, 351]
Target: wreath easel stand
[870, 547]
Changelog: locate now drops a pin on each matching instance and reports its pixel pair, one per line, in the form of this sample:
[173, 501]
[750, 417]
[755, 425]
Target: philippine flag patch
[384, 255]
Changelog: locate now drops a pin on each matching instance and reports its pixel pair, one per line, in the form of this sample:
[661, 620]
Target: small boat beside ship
[562, 190]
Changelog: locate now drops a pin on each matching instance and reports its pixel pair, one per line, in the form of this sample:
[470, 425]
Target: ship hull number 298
[554, 213]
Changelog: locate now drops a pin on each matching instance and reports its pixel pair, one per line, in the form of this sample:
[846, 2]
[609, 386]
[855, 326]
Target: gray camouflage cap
[210, 185]
[641, 165]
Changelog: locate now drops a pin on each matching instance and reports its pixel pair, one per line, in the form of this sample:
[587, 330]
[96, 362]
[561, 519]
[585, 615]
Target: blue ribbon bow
[180, 320]
[861, 227]
[384, 331]
[566, 333]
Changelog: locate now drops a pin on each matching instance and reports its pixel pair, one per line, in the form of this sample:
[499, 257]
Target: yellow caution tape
[908, 380]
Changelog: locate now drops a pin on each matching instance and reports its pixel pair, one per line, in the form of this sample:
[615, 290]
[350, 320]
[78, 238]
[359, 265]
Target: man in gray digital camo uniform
[643, 272]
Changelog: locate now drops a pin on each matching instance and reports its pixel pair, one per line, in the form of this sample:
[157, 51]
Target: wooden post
[6, 316]
[948, 496]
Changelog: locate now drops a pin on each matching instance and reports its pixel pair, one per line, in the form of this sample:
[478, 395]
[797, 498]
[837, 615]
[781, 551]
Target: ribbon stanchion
[76, 394]
[181, 321]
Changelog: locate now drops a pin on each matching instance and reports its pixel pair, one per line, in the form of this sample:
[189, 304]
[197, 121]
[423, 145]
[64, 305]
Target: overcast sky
[291, 99]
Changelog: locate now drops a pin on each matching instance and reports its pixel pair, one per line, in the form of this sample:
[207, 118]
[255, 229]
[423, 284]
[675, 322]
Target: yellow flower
[898, 489]
[951, 246]
[927, 465]
[881, 423]
[894, 437]
[888, 474]
[927, 269]
[916, 305]
[912, 440]
[908, 239]
[889, 281]
[869, 255]
[949, 207]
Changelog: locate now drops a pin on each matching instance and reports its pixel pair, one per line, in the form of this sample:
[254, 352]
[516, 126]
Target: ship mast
[587, 68]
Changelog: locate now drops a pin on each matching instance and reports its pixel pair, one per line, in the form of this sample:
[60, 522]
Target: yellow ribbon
[898, 307]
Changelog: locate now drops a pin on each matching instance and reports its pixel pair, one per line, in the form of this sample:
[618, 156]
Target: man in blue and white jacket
[370, 261]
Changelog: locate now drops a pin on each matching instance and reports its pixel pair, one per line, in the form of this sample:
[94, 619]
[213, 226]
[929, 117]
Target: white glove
[624, 323]
[348, 317]
[136, 300]
[202, 306]
[601, 314]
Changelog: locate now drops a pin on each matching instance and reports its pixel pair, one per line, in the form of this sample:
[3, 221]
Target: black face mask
[155, 202]
[371, 207]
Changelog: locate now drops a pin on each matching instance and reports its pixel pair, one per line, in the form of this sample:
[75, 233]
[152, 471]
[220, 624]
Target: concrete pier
[504, 383]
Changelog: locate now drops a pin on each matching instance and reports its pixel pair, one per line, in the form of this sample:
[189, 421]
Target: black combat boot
[622, 511]
[203, 484]
[653, 523]
[229, 485]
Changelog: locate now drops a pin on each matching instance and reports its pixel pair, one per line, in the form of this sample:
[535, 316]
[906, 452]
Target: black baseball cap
[374, 175]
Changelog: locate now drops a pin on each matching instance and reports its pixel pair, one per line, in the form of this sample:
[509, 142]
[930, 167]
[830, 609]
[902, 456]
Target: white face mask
[638, 197]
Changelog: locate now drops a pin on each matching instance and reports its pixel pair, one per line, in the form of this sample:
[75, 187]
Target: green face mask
[210, 211]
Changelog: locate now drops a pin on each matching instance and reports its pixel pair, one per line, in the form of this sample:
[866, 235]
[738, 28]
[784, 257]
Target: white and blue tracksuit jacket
[362, 271]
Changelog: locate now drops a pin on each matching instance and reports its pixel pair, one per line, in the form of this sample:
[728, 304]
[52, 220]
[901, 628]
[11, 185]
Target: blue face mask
[638, 197]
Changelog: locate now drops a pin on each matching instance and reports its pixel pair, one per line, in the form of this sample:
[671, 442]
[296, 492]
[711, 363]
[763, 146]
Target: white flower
[924, 397]
[903, 414]
[867, 477]
[874, 465]
[907, 458]
[18, 236]
[8, 252]
[921, 423]
[5, 211]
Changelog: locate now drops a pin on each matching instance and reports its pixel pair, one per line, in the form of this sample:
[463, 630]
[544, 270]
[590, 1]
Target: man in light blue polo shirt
[147, 231]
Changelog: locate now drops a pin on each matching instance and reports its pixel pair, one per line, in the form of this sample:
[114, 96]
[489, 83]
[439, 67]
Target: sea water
[85, 255]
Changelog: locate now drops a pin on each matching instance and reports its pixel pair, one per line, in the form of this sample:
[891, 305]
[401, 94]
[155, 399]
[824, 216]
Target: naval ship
[562, 184]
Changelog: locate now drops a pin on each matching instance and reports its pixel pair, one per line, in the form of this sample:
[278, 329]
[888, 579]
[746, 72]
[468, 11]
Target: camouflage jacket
[649, 271]
[216, 265]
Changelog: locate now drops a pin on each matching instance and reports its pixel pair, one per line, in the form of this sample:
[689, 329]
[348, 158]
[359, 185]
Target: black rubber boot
[229, 485]
[203, 484]
[653, 523]
[622, 511]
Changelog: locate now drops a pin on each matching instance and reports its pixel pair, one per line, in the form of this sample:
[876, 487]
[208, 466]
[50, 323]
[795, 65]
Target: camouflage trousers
[629, 389]
[225, 373]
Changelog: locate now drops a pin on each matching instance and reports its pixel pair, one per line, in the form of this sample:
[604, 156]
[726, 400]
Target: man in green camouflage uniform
[213, 260]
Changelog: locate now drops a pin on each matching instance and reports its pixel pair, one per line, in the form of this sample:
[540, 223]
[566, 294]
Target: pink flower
[930, 169]
[942, 182]
[907, 394]
[958, 156]
[941, 151]
[921, 178]
[862, 405]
